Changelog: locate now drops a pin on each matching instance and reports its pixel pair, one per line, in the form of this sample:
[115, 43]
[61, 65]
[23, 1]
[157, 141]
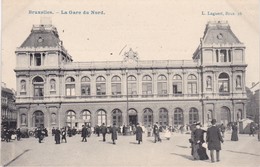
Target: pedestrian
[53, 131]
[97, 130]
[18, 133]
[63, 135]
[40, 134]
[114, 133]
[57, 136]
[139, 133]
[213, 139]
[45, 132]
[124, 130]
[252, 129]
[199, 152]
[234, 136]
[222, 129]
[156, 133]
[103, 129]
[167, 133]
[7, 134]
[84, 133]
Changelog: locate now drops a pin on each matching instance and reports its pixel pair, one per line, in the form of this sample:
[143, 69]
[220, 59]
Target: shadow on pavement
[182, 146]
[16, 157]
[243, 153]
[184, 156]
[133, 142]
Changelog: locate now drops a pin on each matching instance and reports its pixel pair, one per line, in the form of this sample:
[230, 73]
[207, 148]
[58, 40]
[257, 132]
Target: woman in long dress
[199, 152]
[234, 136]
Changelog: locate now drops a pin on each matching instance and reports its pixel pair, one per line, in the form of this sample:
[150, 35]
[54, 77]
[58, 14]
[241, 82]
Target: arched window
[101, 86]
[163, 117]
[132, 85]
[147, 85]
[192, 84]
[193, 115]
[52, 85]
[178, 117]
[38, 85]
[85, 86]
[116, 85]
[148, 117]
[102, 117]
[208, 82]
[23, 86]
[70, 86]
[225, 116]
[117, 117]
[238, 81]
[223, 82]
[86, 116]
[177, 85]
[162, 85]
[38, 119]
[71, 117]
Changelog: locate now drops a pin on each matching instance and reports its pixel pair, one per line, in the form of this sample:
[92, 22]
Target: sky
[155, 29]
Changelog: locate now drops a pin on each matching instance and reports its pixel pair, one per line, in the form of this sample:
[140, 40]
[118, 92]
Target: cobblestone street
[126, 152]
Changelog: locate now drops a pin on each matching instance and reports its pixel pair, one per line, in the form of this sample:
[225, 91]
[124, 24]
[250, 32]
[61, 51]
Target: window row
[147, 85]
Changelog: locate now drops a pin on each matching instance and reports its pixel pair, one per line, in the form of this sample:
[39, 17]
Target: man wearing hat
[213, 139]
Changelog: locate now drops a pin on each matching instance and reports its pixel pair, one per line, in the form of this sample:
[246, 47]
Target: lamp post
[126, 74]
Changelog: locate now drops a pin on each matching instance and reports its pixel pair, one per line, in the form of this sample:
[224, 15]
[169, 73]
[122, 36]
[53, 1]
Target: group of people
[6, 134]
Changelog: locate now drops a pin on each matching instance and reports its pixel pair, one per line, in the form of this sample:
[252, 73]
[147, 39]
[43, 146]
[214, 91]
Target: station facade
[54, 91]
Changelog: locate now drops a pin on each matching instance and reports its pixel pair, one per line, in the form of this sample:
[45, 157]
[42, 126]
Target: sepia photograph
[130, 83]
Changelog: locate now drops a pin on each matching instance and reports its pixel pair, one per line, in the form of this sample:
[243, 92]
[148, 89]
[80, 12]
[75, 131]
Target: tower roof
[219, 33]
[42, 36]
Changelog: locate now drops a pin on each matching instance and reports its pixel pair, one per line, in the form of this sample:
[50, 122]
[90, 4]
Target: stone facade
[54, 91]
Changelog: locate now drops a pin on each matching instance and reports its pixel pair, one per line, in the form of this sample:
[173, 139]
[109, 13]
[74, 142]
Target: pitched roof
[42, 36]
[219, 33]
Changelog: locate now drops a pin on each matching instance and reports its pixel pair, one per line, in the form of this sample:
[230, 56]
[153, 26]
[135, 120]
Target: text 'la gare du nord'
[71, 12]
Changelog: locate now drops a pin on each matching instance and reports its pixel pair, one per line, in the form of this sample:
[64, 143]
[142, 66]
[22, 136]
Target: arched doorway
[193, 115]
[178, 117]
[163, 117]
[225, 117]
[148, 117]
[117, 117]
[102, 117]
[132, 117]
[38, 119]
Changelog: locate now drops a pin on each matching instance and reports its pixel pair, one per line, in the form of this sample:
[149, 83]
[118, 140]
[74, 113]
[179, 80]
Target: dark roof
[42, 37]
[219, 33]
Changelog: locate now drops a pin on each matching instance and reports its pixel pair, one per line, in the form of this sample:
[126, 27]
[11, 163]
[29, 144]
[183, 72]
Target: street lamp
[126, 73]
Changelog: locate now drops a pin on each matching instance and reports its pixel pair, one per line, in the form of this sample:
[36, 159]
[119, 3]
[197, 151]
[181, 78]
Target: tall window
[163, 117]
[193, 115]
[85, 86]
[116, 85]
[223, 55]
[225, 116]
[102, 117]
[192, 84]
[23, 86]
[162, 85]
[178, 117]
[52, 85]
[38, 119]
[117, 117]
[70, 86]
[86, 116]
[101, 86]
[148, 117]
[132, 85]
[177, 85]
[38, 85]
[147, 85]
[223, 83]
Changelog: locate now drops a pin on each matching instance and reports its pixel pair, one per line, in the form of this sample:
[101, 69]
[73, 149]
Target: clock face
[220, 36]
[40, 39]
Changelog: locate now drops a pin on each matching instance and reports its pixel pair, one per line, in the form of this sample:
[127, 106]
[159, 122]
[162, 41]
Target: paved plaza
[126, 152]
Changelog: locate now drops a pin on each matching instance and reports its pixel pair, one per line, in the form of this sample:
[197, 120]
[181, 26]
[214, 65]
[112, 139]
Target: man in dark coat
[84, 133]
[139, 133]
[114, 133]
[213, 139]
[156, 133]
[57, 136]
[40, 135]
[97, 130]
[103, 129]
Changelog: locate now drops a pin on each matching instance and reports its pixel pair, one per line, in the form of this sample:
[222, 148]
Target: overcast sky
[157, 30]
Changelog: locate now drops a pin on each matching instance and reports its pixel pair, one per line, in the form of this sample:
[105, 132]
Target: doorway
[132, 119]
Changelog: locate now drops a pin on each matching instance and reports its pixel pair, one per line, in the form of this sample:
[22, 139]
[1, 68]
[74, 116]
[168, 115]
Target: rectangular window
[37, 59]
[101, 88]
[132, 89]
[85, 89]
[192, 88]
[38, 90]
[70, 90]
[162, 88]
[177, 88]
[116, 89]
[147, 89]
